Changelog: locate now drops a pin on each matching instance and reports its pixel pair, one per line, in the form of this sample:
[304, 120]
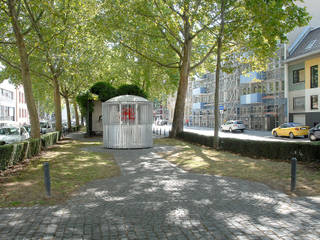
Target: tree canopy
[154, 45]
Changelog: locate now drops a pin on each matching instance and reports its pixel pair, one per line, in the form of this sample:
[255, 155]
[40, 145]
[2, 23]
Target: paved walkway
[153, 199]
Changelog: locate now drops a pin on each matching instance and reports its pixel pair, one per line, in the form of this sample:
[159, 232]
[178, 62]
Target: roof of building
[127, 98]
[309, 44]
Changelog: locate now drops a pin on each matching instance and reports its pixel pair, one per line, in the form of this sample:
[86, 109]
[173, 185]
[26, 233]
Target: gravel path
[153, 199]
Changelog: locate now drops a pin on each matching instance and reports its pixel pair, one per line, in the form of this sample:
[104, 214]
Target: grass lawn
[70, 168]
[275, 174]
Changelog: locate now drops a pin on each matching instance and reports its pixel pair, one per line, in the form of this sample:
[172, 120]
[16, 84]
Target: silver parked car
[233, 125]
[46, 127]
[11, 134]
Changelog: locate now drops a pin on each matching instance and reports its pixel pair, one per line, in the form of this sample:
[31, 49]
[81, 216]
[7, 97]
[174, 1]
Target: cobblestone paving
[153, 199]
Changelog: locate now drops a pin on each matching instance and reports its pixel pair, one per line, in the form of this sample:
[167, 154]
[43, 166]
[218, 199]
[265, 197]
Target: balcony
[252, 77]
[251, 98]
[199, 90]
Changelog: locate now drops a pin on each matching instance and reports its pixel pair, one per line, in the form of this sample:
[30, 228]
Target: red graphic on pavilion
[127, 114]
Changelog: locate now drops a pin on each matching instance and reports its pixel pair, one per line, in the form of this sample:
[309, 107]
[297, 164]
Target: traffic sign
[221, 111]
[221, 107]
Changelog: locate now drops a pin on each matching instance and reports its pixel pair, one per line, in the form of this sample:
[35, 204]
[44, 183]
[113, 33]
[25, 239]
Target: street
[246, 135]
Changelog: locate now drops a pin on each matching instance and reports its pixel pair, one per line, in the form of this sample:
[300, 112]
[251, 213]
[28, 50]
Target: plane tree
[15, 52]
[184, 34]
[251, 30]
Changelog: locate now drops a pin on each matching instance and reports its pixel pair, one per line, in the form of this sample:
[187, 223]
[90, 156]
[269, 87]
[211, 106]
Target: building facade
[303, 78]
[13, 107]
[262, 98]
[256, 98]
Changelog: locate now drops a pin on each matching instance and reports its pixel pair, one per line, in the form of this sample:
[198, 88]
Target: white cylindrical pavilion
[127, 122]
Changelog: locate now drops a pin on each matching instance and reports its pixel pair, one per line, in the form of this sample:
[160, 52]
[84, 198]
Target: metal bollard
[47, 178]
[293, 173]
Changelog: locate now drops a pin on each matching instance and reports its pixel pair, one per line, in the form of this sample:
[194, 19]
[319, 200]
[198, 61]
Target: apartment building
[7, 102]
[262, 98]
[201, 107]
[257, 98]
[13, 107]
[303, 78]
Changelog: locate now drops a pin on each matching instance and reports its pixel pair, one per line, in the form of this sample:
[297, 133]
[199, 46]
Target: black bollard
[293, 173]
[47, 178]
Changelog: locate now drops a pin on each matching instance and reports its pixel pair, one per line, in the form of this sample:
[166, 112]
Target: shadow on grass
[276, 174]
[70, 168]
[154, 199]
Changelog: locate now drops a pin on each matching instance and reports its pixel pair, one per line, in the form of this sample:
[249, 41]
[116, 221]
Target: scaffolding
[264, 114]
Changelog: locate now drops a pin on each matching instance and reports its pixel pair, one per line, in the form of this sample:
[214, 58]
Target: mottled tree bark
[25, 70]
[66, 99]
[57, 105]
[75, 106]
[177, 124]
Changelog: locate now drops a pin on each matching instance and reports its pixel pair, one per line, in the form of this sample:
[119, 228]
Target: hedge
[12, 154]
[49, 139]
[304, 152]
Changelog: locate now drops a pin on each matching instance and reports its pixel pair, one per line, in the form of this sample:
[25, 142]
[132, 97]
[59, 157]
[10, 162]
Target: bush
[49, 139]
[12, 154]
[131, 89]
[104, 90]
[5, 155]
[34, 147]
[84, 99]
[304, 152]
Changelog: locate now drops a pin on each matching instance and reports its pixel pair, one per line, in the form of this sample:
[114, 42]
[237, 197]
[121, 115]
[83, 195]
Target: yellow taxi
[291, 130]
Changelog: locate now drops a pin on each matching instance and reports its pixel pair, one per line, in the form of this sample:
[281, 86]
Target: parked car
[161, 122]
[46, 127]
[28, 128]
[64, 127]
[11, 134]
[314, 133]
[233, 125]
[291, 130]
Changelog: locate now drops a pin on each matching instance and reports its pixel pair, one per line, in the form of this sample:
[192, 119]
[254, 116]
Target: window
[310, 45]
[298, 76]
[314, 102]
[314, 76]
[298, 103]
[271, 87]
[6, 93]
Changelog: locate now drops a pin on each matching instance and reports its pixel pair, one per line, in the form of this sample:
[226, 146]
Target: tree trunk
[75, 106]
[66, 99]
[217, 88]
[57, 104]
[177, 124]
[25, 71]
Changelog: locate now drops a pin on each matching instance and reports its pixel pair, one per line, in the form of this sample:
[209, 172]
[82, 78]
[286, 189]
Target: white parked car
[11, 134]
[233, 125]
